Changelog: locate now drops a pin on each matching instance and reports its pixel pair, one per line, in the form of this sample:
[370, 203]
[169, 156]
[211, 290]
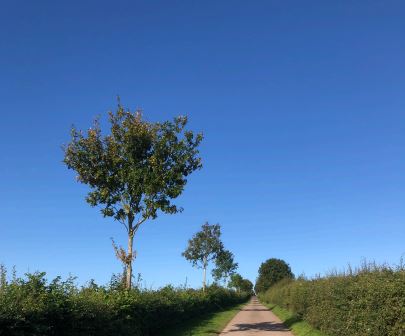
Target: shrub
[369, 302]
[32, 306]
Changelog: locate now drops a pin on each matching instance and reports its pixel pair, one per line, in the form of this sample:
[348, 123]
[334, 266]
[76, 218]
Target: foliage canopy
[240, 284]
[225, 265]
[34, 306]
[206, 246]
[270, 272]
[136, 170]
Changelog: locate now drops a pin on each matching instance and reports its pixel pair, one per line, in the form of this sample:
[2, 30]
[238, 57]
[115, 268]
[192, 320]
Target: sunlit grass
[207, 325]
[291, 321]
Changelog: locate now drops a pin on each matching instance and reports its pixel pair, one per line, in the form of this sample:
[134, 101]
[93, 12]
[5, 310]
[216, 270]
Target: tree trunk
[204, 274]
[129, 261]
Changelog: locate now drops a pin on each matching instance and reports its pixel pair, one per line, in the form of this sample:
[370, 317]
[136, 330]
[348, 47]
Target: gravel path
[256, 319]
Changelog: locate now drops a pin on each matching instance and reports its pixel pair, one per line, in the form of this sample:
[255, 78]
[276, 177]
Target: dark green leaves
[240, 284]
[224, 265]
[270, 272]
[138, 168]
[205, 246]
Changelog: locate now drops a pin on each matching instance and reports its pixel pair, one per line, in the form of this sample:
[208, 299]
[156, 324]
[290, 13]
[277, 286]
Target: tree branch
[138, 224]
[121, 220]
[125, 225]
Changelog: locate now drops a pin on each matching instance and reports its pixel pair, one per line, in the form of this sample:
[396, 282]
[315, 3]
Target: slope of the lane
[256, 319]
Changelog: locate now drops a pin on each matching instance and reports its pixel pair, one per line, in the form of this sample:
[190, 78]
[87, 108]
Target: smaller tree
[204, 247]
[236, 281]
[247, 286]
[240, 284]
[270, 272]
[224, 266]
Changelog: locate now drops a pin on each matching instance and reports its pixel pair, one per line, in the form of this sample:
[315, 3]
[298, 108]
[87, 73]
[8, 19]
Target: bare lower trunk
[204, 274]
[129, 262]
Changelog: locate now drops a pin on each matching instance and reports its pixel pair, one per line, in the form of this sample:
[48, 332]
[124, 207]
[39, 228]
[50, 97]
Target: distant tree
[134, 171]
[236, 282]
[205, 246]
[224, 266]
[240, 284]
[247, 286]
[270, 272]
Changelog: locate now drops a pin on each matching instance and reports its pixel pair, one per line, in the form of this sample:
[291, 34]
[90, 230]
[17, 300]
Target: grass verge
[293, 322]
[207, 325]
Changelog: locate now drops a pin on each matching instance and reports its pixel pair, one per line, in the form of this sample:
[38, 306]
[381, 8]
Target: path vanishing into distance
[255, 319]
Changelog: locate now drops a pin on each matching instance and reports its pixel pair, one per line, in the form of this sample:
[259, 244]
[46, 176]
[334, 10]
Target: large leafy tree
[225, 266]
[204, 247]
[270, 272]
[135, 171]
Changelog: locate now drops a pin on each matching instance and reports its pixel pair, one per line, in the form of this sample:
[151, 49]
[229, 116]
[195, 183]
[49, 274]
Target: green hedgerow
[32, 306]
[368, 302]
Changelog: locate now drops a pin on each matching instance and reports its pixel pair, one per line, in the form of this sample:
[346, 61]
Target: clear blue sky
[302, 105]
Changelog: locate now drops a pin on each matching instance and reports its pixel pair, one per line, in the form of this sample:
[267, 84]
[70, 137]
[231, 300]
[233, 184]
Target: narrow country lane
[256, 319]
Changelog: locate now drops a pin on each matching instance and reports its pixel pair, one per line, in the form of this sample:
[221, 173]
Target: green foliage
[135, 171]
[205, 246]
[270, 272]
[236, 281]
[368, 302]
[137, 168]
[294, 322]
[240, 284]
[224, 266]
[246, 286]
[32, 306]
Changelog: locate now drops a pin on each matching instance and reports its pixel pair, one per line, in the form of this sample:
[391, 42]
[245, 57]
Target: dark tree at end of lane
[270, 272]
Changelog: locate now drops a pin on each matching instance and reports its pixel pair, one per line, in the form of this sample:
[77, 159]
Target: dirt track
[256, 319]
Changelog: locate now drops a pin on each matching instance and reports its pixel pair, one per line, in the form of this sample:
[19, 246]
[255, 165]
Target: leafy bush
[367, 302]
[32, 306]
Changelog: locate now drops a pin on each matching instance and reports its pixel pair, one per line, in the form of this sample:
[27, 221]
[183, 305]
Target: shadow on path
[262, 326]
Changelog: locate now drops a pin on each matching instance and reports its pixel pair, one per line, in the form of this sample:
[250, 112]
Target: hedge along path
[256, 319]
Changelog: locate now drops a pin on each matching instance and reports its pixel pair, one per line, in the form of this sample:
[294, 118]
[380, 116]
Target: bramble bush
[369, 301]
[33, 306]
